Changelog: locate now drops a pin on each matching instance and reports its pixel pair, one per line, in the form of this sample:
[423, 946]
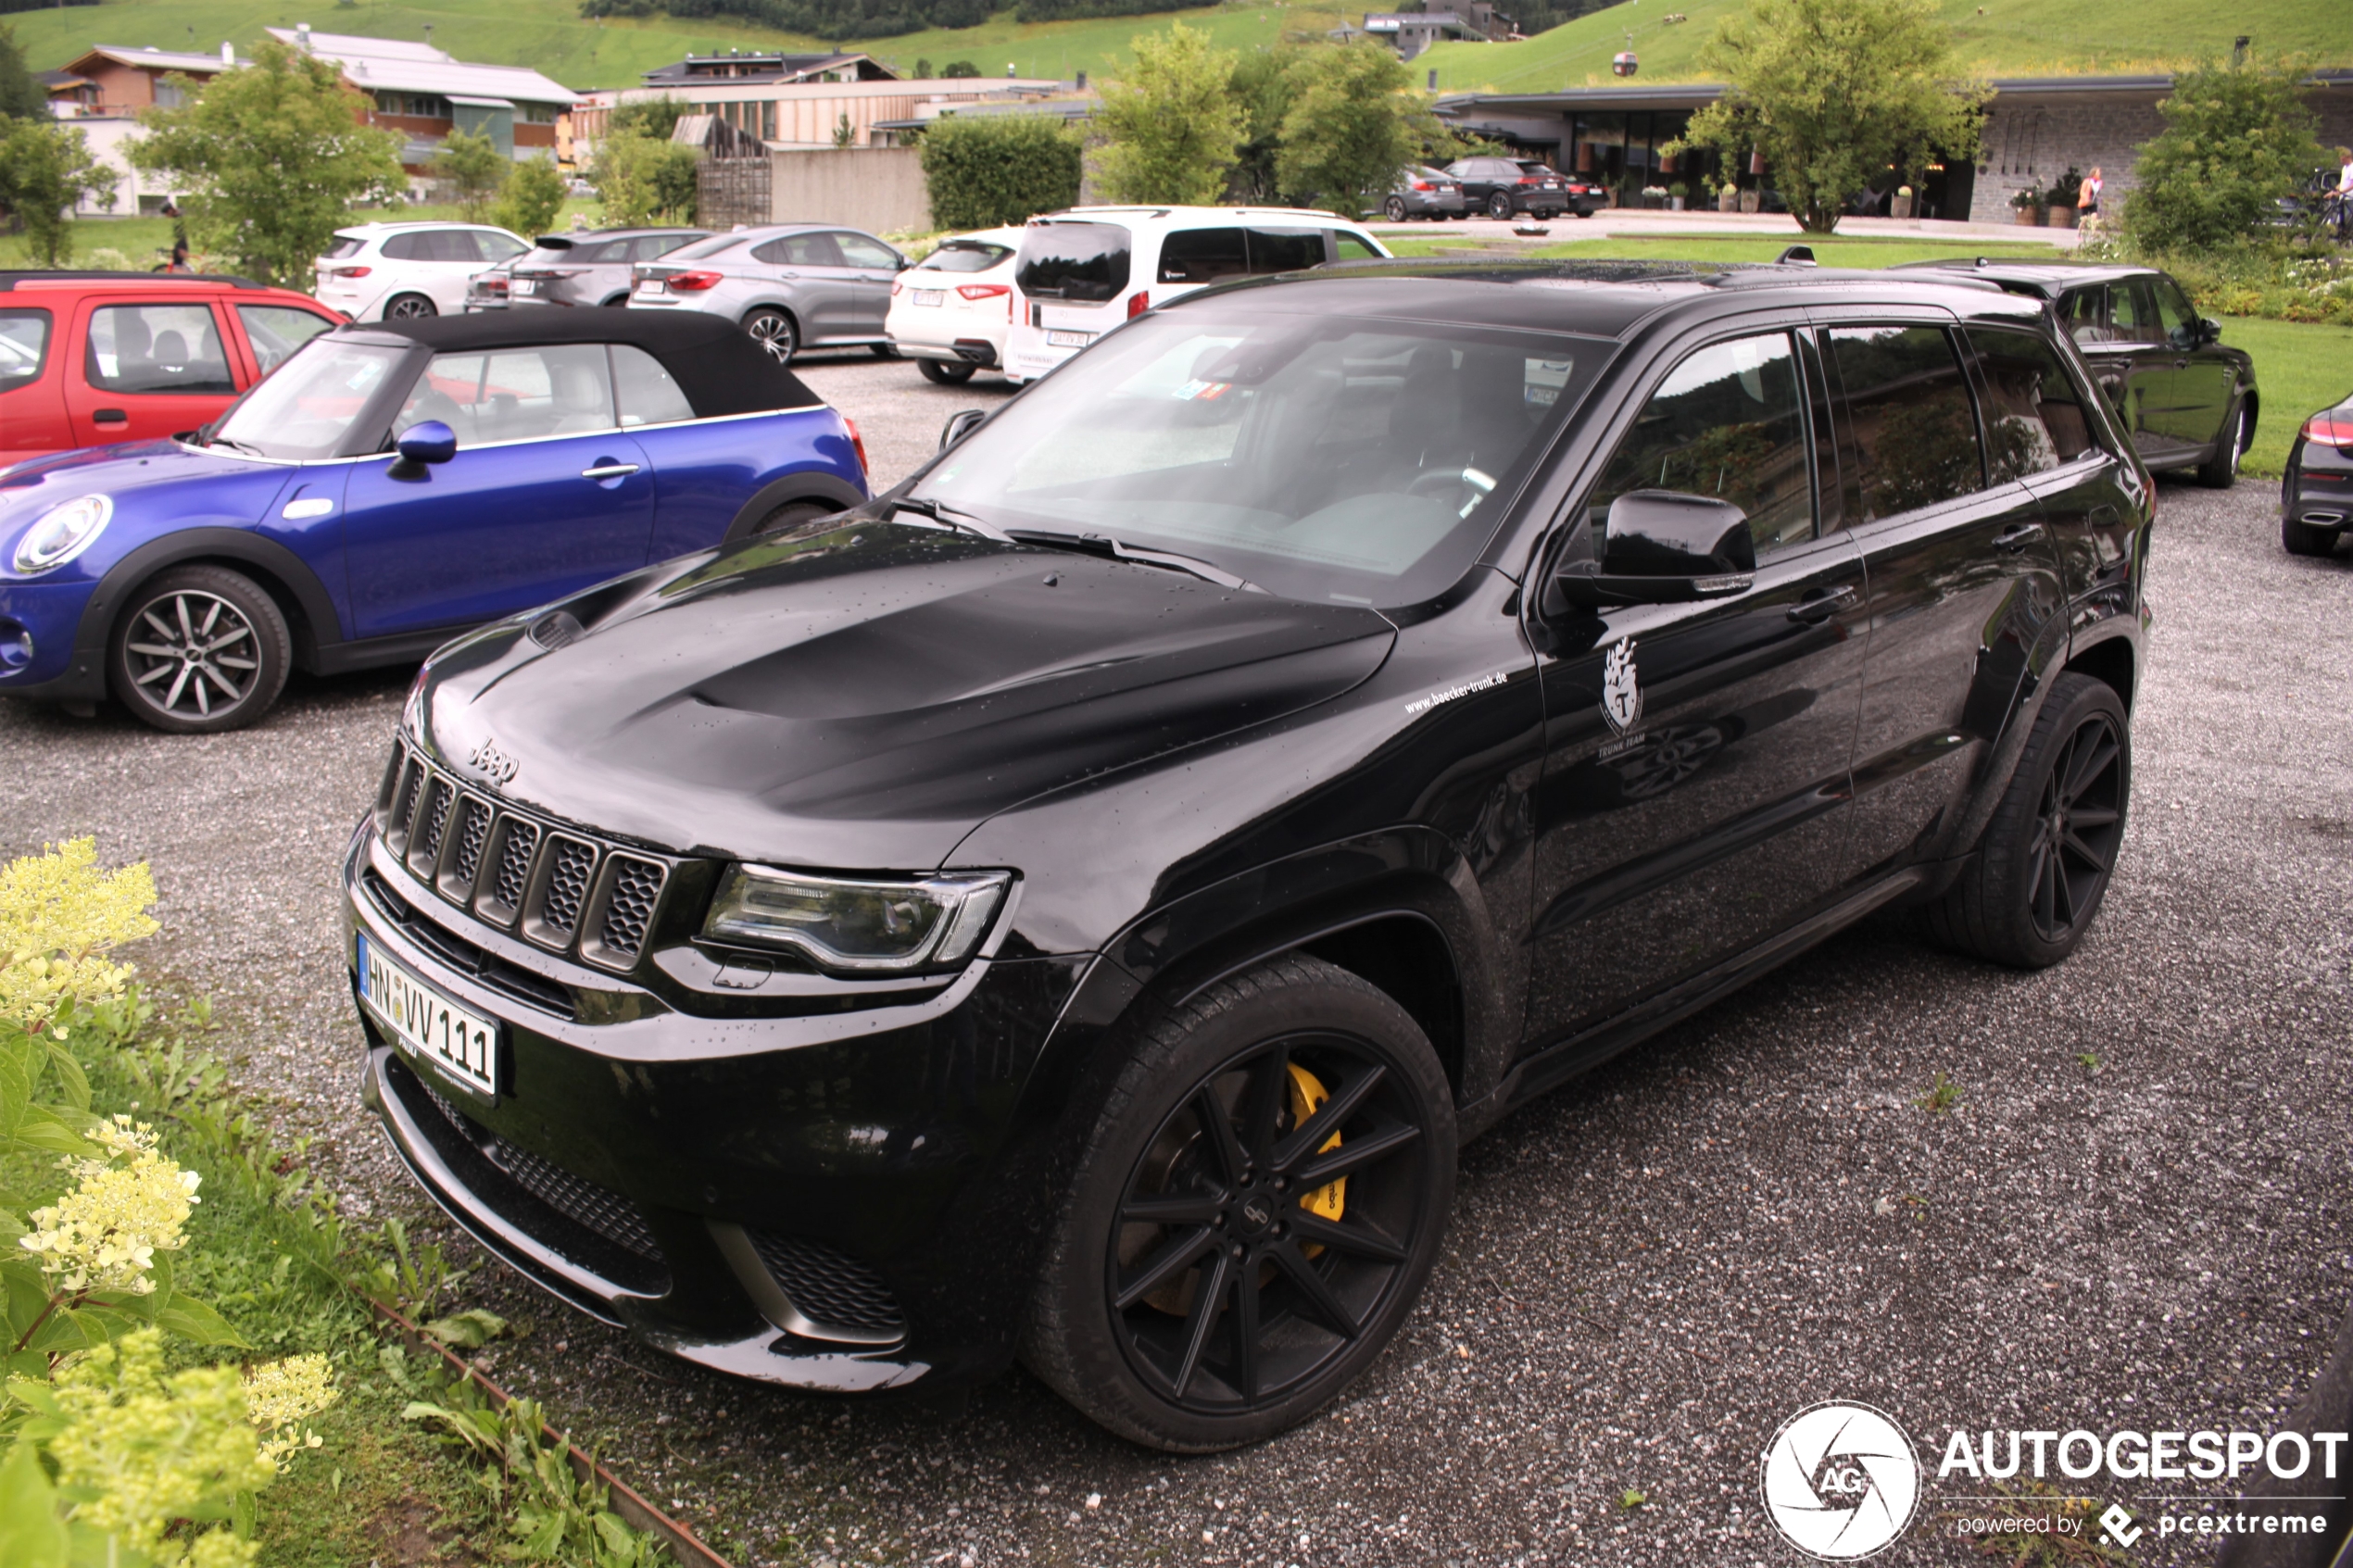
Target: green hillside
[550, 35]
[1997, 38]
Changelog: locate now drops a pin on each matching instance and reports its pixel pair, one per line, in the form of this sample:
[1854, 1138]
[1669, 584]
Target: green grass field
[2300, 368]
[551, 36]
[1999, 38]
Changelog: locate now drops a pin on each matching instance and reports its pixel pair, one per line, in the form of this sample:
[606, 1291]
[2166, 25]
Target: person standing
[2088, 199]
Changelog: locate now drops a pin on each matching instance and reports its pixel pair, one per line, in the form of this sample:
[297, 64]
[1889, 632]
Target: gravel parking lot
[2133, 1217]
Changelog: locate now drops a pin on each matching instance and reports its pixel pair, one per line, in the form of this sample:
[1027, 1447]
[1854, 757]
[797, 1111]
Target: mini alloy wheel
[774, 330]
[410, 307]
[1255, 1215]
[201, 649]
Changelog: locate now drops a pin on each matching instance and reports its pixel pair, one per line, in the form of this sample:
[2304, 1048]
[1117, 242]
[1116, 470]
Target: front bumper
[50, 614]
[747, 1209]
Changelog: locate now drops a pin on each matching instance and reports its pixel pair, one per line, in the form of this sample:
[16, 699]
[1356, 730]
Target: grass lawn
[2300, 368]
[551, 36]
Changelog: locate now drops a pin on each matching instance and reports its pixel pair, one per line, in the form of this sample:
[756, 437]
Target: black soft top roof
[718, 367]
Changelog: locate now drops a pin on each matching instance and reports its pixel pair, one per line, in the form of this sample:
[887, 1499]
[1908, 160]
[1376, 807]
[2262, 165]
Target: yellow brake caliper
[1307, 1093]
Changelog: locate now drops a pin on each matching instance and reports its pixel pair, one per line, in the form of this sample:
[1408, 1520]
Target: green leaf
[469, 1330]
[31, 1536]
[192, 1320]
[70, 1075]
[45, 1131]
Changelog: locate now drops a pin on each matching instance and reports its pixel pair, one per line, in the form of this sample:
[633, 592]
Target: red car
[89, 359]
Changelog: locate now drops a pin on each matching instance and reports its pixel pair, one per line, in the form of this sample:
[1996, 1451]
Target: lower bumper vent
[833, 1291]
[578, 1199]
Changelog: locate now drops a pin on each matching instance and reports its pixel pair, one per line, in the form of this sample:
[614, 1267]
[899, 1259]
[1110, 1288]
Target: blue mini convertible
[390, 486]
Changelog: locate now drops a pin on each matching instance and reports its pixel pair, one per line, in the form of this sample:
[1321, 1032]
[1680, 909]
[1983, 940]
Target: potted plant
[1729, 198]
[2028, 205]
[1902, 206]
[1654, 197]
[1752, 201]
[2063, 197]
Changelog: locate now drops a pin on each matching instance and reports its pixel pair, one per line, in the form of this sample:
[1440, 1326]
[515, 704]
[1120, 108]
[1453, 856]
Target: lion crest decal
[1621, 687]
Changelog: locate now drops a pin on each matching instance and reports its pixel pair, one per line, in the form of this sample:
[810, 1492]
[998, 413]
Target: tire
[618, 302]
[1583, 212]
[2044, 863]
[211, 608]
[1395, 208]
[774, 331]
[1118, 1299]
[791, 519]
[946, 372]
[1499, 205]
[2221, 470]
[2305, 539]
[410, 307]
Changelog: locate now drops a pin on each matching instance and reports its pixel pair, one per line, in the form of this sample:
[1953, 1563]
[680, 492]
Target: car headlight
[62, 532]
[868, 927]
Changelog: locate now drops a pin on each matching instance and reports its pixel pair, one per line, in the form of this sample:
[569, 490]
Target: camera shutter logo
[1621, 687]
[1841, 1480]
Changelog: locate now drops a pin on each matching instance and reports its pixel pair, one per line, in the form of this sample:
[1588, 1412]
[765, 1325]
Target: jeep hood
[862, 699]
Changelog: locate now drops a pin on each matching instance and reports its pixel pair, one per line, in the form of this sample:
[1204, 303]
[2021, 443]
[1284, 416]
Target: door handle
[111, 416]
[2017, 537]
[1822, 605]
[789, 276]
[609, 470]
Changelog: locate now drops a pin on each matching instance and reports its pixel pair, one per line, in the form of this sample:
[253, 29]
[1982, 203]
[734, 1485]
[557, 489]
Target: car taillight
[1424, 185]
[983, 291]
[347, 272]
[2332, 427]
[692, 282]
[1530, 180]
[857, 445]
[495, 285]
[1138, 303]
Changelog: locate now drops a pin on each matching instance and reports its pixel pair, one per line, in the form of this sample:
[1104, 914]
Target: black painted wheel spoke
[1209, 1300]
[2093, 752]
[1262, 1105]
[2073, 843]
[2042, 874]
[1172, 1208]
[1318, 1129]
[2094, 817]
[1246, 1328]
[1315, 1293]
[1180, 1254]
[1361, 1241]
[1363, 1151]
[1217, 1130]
[2062, 895]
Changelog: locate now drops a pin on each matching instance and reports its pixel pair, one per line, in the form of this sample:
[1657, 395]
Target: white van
[1084, 271]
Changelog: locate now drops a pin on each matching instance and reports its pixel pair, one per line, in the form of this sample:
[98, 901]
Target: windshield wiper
[952, 517]
[235, 445]
[1116, 549]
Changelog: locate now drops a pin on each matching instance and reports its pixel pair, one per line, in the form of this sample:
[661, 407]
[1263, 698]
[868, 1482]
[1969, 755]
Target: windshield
[305, 408]
[1328, 458]
[1082, 261]
[965, 256]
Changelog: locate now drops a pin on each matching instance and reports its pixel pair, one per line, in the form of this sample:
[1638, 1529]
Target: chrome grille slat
[518, 844]
[457, 878]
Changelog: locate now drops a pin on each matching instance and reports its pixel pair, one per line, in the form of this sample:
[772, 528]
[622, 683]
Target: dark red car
[89, 359]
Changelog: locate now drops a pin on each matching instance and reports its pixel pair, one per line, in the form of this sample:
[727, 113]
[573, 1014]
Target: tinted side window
[965, 255]
[1728, 422]
[276, 331]
[1084, 261]
[857, 250]
[24, 347]
[1202, 256]
[599, 255]
[1914, 428]
[1273, 250]
[2033, 417]
[2174, 313]
[799, 250]
[157, 349]
[407, 247]
[648, 394]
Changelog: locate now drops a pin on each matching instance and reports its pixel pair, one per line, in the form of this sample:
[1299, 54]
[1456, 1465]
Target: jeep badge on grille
[491, 763]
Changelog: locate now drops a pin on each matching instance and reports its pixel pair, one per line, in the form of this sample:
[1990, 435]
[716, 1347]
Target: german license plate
[524, 285]
[931, 296]
[464, 1045]
[1069, 340]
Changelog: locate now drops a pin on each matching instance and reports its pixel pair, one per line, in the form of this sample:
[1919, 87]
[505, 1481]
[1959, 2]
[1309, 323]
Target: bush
[533, 194]
[985, 172]
[641, 181]
[2236, 138]
[476, 169]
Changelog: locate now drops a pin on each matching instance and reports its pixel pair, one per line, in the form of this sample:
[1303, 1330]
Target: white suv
[399, 272]
[1084, 271]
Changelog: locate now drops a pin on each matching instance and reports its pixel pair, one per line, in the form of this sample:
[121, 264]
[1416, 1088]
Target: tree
[2236, 137]
[954, 68]
[1353, 121]
[269, 158]
[1174, 127]
[654, 119]
[533, 194]
[20, 96]
[641, 181]
[984, 172]
[923, 67]
[1264, 86]
[476, 169]
[45, 171]
[1832, 93]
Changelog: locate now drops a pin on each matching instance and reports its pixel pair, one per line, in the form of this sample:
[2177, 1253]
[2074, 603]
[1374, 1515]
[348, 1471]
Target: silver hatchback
[791, 287]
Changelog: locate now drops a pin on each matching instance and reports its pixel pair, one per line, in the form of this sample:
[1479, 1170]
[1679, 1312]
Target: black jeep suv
[1075, 905]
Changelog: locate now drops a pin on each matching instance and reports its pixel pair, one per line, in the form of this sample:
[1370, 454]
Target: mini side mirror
[429, 441]
[959, 426]
[1661, 546]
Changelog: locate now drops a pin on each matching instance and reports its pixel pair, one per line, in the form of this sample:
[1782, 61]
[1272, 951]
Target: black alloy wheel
[201, 649]
[410, 307]
[1395, 208]
[774, 330]
[1499, 205]
[1255, 1215]
[946, 372]
[2044, 866]
[2221, 470]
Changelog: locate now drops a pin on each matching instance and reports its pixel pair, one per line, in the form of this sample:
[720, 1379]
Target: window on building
[539, 114]
[1914, 427]
[157, 349]
[1729, 423]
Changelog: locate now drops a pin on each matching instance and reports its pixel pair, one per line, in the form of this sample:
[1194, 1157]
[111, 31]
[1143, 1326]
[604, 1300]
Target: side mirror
[1661, 546]
[959, 426]
[428, 441]
[2208, 330]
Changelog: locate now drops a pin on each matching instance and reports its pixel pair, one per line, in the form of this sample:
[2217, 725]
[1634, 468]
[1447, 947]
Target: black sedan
[1502, 186]
[1424, 193]
[1078, 905]
[590, 268]
[2189, 401]
[2316, 495]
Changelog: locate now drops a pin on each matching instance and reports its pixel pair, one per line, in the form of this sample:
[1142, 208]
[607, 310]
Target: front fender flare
[317, 621]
